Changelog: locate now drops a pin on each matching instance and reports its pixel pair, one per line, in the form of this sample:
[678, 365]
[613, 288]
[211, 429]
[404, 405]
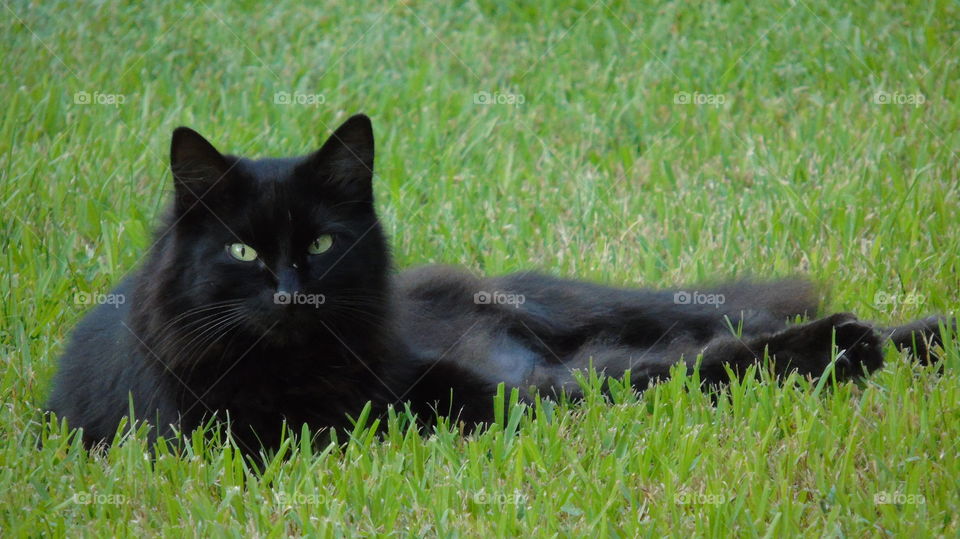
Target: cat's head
[281, 244]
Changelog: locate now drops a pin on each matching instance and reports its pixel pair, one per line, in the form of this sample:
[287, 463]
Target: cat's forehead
[268, 170]
[275, 198]
[271, 185]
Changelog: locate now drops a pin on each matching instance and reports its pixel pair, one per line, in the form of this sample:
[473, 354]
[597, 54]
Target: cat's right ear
[197, 168]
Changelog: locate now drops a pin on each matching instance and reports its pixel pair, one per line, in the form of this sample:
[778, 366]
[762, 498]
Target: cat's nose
[288, 281]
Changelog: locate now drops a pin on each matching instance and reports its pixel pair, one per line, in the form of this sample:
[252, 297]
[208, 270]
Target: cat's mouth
[291, 317]
[287, 317]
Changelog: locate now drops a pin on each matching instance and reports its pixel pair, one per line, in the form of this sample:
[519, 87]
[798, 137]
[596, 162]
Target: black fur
[202, 335]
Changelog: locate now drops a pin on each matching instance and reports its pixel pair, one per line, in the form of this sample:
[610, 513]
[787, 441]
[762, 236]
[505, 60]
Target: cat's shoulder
[109, 310]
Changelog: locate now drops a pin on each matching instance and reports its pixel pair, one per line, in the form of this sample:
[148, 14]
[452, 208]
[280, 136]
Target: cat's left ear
[346, 158]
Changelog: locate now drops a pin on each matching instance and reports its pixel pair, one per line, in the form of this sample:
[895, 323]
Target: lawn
[628, 144]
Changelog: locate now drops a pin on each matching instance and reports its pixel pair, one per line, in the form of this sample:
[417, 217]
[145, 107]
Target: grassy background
[826, 143]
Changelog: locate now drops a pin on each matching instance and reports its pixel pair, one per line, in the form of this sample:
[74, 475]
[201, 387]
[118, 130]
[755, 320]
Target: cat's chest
[289, 384]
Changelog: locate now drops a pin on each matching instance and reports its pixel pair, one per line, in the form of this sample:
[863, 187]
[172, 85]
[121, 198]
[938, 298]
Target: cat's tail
[921, 338]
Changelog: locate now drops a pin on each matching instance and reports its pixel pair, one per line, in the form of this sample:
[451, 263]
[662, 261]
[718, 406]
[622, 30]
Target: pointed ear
[197, 167]
[346, 159]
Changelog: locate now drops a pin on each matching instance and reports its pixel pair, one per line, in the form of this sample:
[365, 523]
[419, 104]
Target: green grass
[599, 173]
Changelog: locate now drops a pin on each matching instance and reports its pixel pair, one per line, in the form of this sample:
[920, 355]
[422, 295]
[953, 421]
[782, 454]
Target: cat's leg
[558, 306]
[438, 304]
[806, 349]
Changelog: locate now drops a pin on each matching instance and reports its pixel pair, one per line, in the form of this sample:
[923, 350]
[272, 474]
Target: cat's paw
[807, 349]
[860, 347]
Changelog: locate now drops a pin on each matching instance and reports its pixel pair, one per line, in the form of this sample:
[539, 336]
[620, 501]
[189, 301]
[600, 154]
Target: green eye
[321, 245]
[242, 252]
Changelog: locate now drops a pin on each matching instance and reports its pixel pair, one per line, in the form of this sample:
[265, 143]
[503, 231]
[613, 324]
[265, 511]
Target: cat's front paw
[807, 349]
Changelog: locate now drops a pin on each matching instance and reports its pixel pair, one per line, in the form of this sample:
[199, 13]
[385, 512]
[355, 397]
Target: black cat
[268, 297]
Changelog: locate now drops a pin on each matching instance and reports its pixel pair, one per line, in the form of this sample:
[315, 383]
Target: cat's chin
[285, 338]
[285, 329]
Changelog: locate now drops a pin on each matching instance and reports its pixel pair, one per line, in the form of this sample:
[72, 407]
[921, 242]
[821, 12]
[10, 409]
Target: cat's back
[435, 283]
